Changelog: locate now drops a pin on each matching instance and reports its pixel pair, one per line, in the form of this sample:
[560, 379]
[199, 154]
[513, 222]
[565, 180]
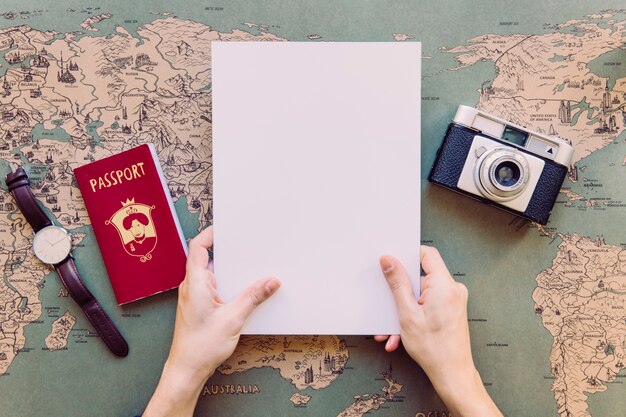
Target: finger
[393, 343]
[463, 291]
[381, 338]
[424, 284]
[431, 261]
[198, 247]
[398, 281]
[254, 295]
[420, 300]
[213, 281]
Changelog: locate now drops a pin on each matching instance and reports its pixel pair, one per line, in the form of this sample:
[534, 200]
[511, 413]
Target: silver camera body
[505, 165]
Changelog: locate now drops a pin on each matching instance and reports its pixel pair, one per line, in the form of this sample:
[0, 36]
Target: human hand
[206, 331]
[434, 328]
[435, 332]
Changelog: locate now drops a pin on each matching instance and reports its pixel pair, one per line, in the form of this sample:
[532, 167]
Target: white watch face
[52, 244]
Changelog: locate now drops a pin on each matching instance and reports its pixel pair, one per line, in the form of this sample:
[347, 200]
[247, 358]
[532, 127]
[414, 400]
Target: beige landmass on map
[365, 403]
[400, 37]
[599, 16]
[537, 74]
[61, 327]
[19, 290]
[581, 300]
[108, 94]
[299, 399]
[256, 25]
[20, 303]
[57, 190]
[572, 196]
[88, 24]
[306, 361]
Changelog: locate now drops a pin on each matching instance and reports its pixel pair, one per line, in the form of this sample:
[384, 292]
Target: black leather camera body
[502, 164]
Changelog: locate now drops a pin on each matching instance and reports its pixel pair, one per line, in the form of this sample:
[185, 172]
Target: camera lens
[507, 173]
[502, 173]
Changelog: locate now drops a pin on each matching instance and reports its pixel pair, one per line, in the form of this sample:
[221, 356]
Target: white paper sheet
[316, 174]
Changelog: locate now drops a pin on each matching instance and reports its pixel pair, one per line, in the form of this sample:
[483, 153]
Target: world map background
[495, 255]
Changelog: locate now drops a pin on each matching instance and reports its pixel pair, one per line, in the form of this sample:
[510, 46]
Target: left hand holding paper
[206, 331]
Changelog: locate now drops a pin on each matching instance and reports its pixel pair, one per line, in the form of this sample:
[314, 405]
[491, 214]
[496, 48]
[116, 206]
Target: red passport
[135, 223]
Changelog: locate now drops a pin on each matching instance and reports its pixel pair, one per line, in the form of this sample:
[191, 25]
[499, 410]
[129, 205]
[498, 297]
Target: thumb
[254, 295]
[399, 282]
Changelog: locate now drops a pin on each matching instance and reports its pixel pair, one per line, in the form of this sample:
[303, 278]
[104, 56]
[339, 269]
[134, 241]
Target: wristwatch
[52, 245]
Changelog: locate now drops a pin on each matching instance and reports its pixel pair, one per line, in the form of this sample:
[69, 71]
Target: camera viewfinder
[515, 136]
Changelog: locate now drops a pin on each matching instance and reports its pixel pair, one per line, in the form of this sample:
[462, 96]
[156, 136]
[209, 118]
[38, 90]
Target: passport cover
[135, 223]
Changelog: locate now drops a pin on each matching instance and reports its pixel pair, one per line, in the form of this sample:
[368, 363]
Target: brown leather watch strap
[18, 184]
[90, 306]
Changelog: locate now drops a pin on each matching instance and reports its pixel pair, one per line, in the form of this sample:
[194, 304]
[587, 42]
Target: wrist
[464, 394]
[191, 379]
[177, 392]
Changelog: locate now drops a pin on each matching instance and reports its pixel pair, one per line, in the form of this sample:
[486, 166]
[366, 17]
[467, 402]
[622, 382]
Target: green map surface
[80, 82]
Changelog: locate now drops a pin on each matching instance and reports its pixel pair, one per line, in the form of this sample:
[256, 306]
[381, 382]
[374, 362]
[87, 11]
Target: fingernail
[272, 286]
[386, 263]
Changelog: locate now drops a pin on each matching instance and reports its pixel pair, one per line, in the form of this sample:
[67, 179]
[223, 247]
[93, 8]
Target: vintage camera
[502, 164]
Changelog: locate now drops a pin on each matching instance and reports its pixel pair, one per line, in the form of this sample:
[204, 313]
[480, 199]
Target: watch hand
[60, 240]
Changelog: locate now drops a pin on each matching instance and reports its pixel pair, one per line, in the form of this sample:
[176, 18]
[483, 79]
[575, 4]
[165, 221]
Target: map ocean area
[144, 76]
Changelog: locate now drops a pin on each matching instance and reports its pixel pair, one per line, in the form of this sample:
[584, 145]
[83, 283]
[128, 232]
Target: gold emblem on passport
[135, 227]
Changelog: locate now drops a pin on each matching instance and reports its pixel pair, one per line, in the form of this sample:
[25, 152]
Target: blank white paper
[316, 174]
